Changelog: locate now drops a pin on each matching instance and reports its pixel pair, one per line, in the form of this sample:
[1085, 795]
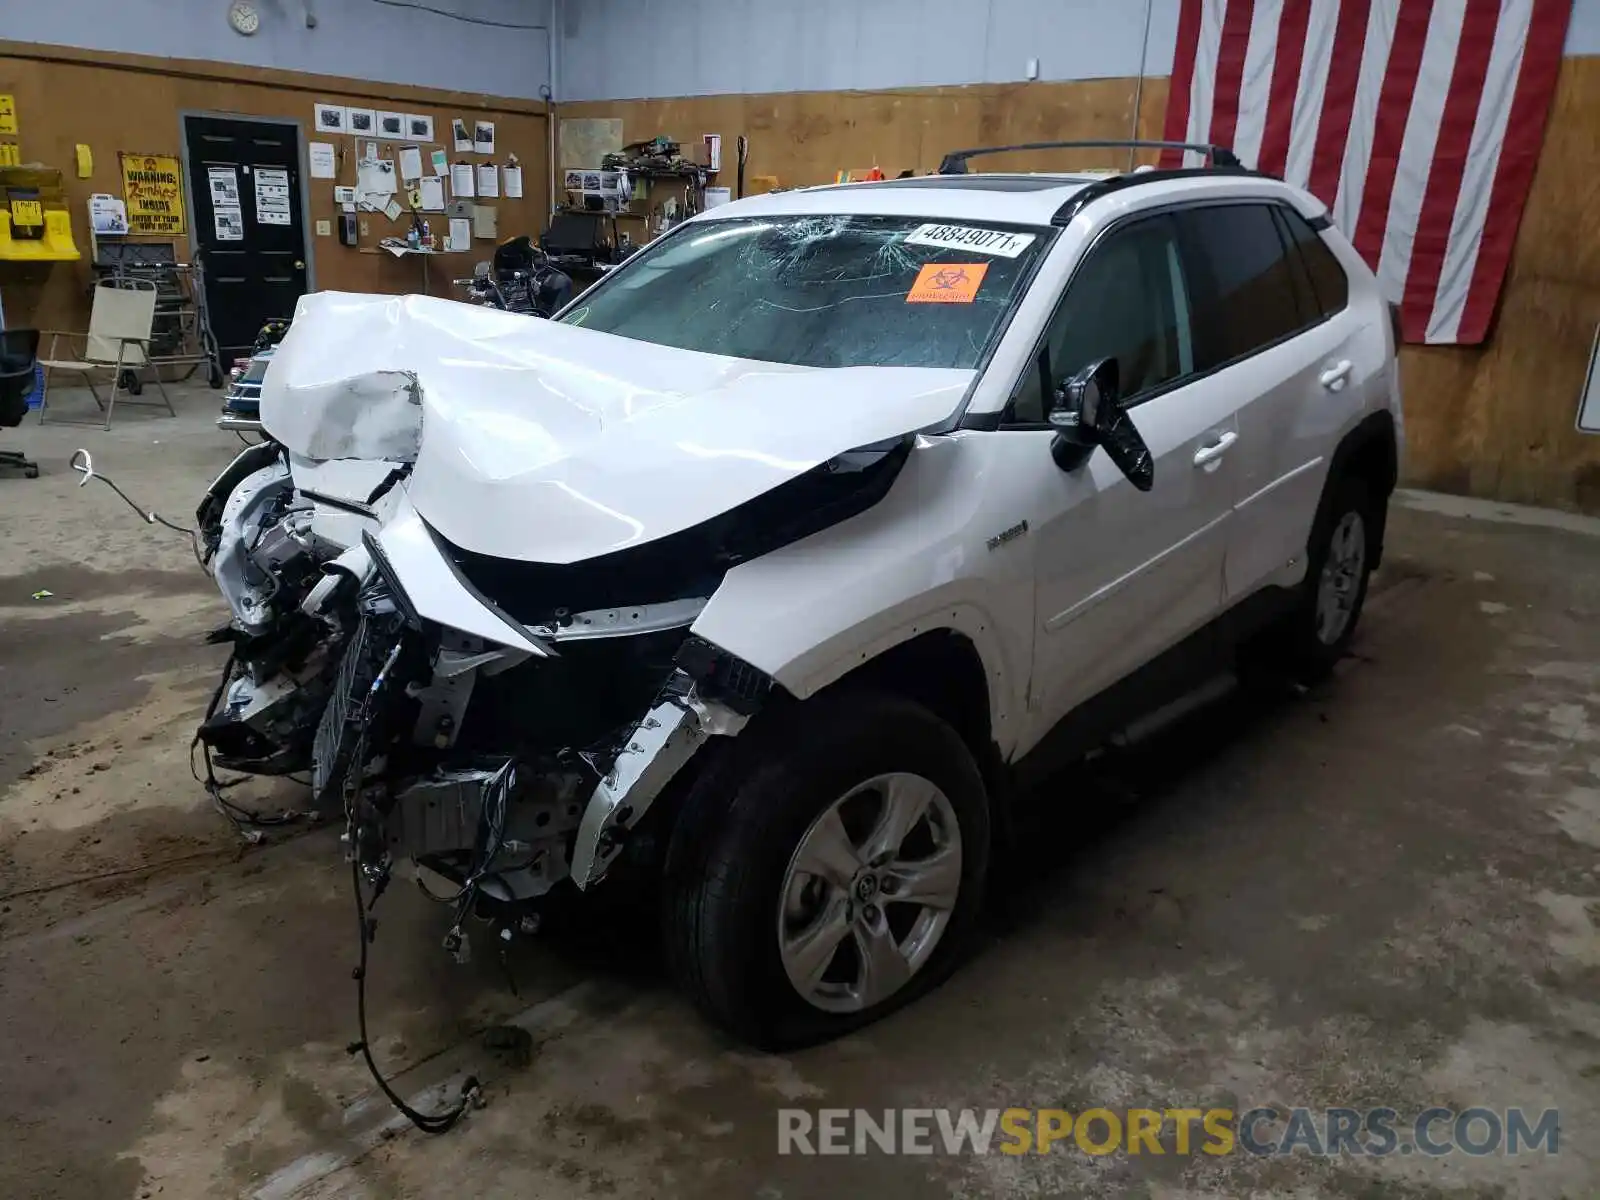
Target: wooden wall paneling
[113, 106]
[1499, 420]
[806, 137]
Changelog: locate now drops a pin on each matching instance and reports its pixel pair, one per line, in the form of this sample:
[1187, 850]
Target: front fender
[924, 558]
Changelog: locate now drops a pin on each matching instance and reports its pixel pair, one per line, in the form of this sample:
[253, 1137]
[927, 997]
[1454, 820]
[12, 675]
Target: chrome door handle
[1333, 378]
[1209, 454]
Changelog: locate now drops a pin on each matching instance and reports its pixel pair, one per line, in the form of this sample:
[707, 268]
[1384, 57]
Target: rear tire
[1316, 633]
[736, 887]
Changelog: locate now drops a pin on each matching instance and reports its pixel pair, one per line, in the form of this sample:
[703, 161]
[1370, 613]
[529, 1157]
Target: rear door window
[1328, 280]
[1245, 298]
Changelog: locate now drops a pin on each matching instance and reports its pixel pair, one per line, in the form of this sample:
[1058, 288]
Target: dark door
[245, 180]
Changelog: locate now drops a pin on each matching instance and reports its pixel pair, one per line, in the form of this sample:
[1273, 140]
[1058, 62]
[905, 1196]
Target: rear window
[1245, 296]
[821, 291]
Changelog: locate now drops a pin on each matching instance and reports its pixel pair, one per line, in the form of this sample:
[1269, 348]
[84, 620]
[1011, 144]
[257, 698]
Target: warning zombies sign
[152, 184]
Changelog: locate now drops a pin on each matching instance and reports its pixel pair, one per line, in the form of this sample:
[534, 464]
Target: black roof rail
[955, 163]
[1082, 198]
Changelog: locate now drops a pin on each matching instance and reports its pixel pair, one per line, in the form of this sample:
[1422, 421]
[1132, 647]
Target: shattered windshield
[828, 291]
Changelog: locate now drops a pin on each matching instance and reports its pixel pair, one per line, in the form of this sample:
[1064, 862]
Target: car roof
[993, 199]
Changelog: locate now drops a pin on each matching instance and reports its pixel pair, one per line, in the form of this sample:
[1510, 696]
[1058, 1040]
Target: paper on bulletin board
[410, 163]
[483, 137]
[324, 162]
[272, 196]
[392, 209]
[513, 182]
[488, 179]
[461, 184]
[462, 135]
[85, 161]
[460, 233]
[391, 125]
[10, 154]
[441, 167]
[432, 189]
[375, 177]
[363, 122]
[8, 113]
[152, 184]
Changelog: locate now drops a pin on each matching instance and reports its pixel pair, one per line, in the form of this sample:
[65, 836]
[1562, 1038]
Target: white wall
[616, 49]
[357, 38]
[623, 49]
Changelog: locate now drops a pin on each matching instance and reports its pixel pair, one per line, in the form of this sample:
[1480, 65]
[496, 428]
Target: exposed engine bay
[505, 770]
[508, 724]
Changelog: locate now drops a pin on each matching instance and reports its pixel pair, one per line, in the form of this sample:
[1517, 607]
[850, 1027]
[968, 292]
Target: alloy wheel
[869, 892]
[1340, 582]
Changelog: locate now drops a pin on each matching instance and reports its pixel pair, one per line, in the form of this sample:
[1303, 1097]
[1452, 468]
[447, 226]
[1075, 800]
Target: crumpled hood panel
[552, 443]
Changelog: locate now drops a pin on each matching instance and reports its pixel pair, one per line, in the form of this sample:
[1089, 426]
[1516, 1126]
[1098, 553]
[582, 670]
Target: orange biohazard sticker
[947, 283]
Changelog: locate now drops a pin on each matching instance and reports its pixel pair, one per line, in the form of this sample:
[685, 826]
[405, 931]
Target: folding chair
[118, 341]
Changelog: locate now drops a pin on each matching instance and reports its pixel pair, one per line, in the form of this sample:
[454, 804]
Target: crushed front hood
[552, 443]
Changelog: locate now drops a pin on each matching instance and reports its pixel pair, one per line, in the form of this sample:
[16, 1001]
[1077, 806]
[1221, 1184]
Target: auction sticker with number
[968, 237]
[947, 283]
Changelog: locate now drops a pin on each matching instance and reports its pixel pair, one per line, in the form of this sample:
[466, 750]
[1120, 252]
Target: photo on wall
[391, 125]
[419, 128]
[331, 118]
[483, 137]
[362, 122]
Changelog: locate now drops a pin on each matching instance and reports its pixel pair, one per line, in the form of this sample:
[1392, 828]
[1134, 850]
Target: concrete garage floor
[1381, 893]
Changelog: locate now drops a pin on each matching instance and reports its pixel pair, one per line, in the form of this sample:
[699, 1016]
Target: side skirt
[1161, 687]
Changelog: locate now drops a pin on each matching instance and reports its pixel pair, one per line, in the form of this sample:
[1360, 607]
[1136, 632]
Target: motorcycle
[519, 279]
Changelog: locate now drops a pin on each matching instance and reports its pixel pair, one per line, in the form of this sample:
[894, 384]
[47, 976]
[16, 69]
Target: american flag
[1417, 122]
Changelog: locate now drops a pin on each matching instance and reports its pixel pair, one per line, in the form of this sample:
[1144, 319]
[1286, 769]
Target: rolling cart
[181, 335]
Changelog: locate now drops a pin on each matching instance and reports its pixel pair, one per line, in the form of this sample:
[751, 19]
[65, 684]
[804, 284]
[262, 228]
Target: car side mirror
[1088, 412]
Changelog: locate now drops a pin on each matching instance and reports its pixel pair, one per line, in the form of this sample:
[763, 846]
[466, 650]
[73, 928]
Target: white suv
[776, 562]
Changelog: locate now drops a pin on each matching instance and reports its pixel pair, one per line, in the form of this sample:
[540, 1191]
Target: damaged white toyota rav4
[775, 563]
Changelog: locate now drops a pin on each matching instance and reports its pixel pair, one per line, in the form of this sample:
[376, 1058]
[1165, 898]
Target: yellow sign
[85, 161]
[27, 212]
[8, 114]
[152, 184]
[10, 154]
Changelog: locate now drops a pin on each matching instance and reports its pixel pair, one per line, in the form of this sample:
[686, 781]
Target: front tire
[826, 869]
